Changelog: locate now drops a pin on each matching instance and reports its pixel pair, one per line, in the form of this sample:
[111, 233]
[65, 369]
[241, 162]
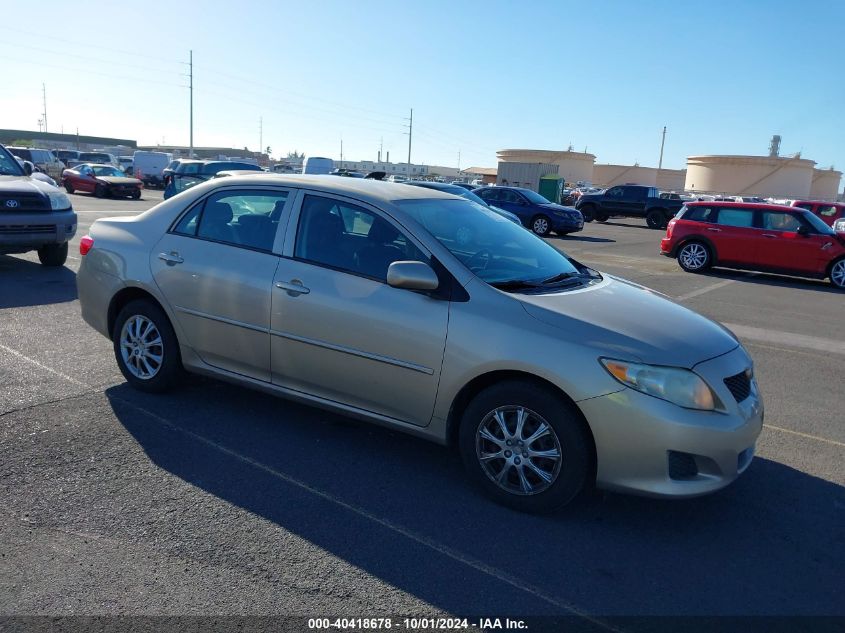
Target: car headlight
[673, 384]
[58, 200]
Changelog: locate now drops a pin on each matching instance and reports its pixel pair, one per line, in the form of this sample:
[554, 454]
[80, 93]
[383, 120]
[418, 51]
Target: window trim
[293, 227]
[281, 229]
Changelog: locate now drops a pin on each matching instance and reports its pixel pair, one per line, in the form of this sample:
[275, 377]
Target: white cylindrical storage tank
[610, 175]
[671, 179]
[573, 166]
[766, 176]
[825, 184]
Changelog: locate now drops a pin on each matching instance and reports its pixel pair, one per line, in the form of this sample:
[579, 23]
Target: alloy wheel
[837, 274]
[141, 347]
[693, 256]
[540, 226]
[518, 450]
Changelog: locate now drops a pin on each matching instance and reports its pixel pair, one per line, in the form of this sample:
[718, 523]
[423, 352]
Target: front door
[339, 332]
[782, 247]
[215, 268]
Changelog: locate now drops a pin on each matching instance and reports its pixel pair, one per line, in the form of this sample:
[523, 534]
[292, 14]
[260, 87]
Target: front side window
[780, 221]
[736, 217]
[615, 192]
[108, 171]
[347, 237]
[241, 218]
[494, 248]
[8, 165]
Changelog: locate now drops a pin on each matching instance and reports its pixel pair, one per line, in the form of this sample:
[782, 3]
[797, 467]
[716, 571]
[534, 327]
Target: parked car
[127, 165]
[104, 181]
[43, 159]
[633, 201]
[397, 178]
[317, 165]
[33, 172]
[70, 157]
[839, 225]
[99, 158]
[830, 212]
[167, 172]
[749, 236]
[189, 173]
[34, 216]
[353, 295]
[149, 166]
[533, 210]
[456, 190]
[465, 185]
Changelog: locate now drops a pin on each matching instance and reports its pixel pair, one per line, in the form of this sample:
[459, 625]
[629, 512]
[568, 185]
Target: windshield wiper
[515, 284]
[560, 277]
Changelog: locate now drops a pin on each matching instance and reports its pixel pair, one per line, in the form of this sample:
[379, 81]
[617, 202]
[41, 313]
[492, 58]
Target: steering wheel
[484, 258]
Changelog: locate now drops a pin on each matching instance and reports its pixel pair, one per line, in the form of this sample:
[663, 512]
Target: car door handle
[171, 258]
[715, 230]
[769, 235]
[294, 287]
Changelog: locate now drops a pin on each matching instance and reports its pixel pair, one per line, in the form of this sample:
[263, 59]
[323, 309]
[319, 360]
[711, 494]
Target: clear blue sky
[722, 75]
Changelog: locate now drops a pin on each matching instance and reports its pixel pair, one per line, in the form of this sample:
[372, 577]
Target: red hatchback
[764, 237]
[830, 212]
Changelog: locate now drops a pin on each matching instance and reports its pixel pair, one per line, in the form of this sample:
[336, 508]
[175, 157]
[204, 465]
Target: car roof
[374, 191]
[742, 205]
[838, 204]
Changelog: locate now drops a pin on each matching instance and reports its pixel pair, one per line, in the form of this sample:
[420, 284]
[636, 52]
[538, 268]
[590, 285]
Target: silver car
[360, 297]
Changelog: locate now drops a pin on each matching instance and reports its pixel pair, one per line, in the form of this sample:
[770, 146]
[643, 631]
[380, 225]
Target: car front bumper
[20, 232]
[567, 225]
[648, 446]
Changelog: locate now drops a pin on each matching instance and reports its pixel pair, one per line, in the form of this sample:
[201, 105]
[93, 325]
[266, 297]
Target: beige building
[825, 185]
[766, 176]
[572, 166]
[671, 179]
[610, 175]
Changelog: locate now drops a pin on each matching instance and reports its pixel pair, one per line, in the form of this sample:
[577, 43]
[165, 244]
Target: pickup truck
[633, 201]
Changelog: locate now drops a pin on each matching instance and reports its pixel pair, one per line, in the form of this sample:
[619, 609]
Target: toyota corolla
[357, 296]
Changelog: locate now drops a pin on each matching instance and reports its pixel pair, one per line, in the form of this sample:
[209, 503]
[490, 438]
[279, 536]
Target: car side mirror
[412, 276]
[803, 231]
[27, 169]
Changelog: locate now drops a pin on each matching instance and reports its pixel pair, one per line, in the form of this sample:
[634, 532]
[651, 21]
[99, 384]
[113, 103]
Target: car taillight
[86, 244]
[669, 227]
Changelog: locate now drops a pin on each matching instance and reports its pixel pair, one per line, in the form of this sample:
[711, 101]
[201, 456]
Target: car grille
[23, 202]
[22, 229]
[739, 385]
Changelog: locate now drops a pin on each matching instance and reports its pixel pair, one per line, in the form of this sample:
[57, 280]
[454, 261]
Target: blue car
[533, 210]
[457, 190]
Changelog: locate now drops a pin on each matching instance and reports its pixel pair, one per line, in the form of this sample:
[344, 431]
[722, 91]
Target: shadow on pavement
[26, 283]
[770, 279]
[772, 543]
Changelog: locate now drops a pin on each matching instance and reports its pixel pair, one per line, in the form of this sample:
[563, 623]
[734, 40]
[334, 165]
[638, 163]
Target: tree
[268, 151]
[294, 154]
[21, 143]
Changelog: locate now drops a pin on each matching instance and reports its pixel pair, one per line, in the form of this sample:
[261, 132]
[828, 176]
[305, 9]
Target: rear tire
[68, 187]
[837, 274]
[541, 225]
[656, 219]
[53, 255]
[695, 257]
[513, 478]
[149, 359]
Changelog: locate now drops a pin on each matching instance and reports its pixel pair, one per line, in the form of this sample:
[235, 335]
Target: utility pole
[662, 142]
[191, 87]
[260, 137]
[77, 139]
[410, 137]
[380, 148]
[459, 162]
[341, 152]
[44, 96]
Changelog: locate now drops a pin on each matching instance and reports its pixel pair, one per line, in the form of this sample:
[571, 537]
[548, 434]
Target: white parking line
[807, 435]
[455, 555]
[790, 339]
[705, 290]
[16, 353]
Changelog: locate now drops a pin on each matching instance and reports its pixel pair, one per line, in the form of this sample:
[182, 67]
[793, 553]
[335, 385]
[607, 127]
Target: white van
[148, 166]
[317, 165]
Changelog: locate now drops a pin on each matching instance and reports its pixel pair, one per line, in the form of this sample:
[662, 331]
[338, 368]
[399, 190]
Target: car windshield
[818, 223]
[107, 171]
[8, 165]
[494, 248]
[533, 197]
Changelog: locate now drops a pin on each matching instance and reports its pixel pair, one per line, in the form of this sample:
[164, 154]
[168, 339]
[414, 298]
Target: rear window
[700, 214]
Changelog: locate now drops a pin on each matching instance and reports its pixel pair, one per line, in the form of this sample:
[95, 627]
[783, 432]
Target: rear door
[782, 247]
[215, 268]
[735, 236]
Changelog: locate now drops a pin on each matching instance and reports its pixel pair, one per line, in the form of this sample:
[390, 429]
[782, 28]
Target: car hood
[24, 184]
[118, 180]
[558, 207]
[631, 322]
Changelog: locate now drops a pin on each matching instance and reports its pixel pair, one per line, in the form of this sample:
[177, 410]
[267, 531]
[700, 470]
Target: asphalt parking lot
[217, 500]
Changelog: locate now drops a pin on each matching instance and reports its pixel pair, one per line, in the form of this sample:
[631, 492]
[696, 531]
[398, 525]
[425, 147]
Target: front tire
[837, 274]
[68, 187]
[541, 225]
[602, 217]
[146, 347]
[695, 257]
[525, 446]
[656, 219]
[100, 191]
[589, 212]
[53, 255]
[136, 195]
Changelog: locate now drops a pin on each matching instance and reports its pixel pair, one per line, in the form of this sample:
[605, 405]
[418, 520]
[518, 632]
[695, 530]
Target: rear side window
[700, 214]
[736, 217]
[826, 210]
